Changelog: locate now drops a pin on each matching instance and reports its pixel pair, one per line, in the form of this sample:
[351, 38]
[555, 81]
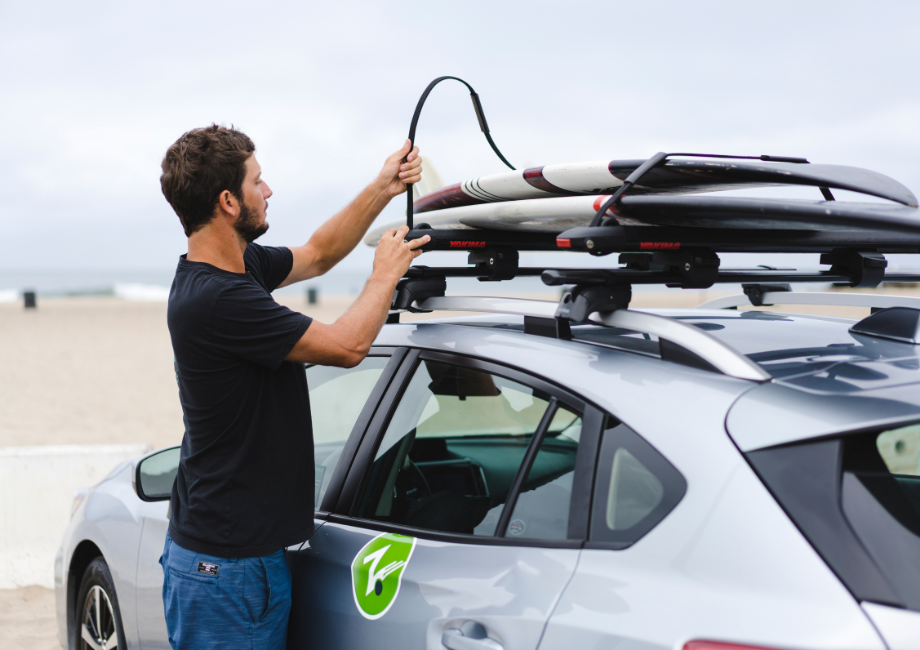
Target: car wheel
[98, 617]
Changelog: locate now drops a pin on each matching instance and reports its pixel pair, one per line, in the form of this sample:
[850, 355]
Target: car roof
[817, 367]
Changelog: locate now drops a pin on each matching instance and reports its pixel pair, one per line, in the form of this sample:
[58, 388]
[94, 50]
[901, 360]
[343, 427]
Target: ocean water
[153, 284]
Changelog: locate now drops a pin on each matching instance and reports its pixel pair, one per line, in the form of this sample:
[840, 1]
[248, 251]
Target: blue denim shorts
[216, 602]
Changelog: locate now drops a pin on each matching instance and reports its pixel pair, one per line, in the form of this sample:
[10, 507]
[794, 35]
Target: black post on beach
[312, 295]
[29, 299]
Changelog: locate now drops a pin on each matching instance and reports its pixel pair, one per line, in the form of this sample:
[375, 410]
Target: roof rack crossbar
[705, 346]
[676, 277]
[491, 305]
[831, 298]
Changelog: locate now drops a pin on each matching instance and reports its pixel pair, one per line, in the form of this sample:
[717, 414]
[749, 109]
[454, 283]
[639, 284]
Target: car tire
[97, 616]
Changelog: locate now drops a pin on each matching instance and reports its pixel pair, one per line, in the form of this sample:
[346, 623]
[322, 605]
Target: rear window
[857, 499]
[880, 494]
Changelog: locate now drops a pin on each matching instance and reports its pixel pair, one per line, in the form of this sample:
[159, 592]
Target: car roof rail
[765, 295]
[545, 316]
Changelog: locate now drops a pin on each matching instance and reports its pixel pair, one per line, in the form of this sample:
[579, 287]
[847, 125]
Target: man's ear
[228, 204]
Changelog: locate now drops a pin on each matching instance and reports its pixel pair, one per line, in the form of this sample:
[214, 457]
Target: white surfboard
[676, 176]
[528, 215]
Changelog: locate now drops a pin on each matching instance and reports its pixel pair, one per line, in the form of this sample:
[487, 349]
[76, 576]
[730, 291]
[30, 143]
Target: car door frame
[365, 447]
[390, 372]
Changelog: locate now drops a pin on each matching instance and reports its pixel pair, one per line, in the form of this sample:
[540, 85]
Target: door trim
[360, 427]
[357, 444]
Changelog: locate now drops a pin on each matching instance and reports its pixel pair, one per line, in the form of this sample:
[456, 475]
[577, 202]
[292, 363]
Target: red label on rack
[564, 243]
[659, 245]
[467, 244]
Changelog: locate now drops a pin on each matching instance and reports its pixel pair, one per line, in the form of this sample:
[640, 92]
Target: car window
[452, 449]
[856, 497]
[636, 487]
[337, 396]
[881, 500]
[541, 510]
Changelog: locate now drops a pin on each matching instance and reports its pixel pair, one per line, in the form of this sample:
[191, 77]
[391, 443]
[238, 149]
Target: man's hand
[396, 173]
[394, 254]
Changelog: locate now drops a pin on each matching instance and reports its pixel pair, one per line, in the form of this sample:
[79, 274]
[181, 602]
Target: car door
[460, 520]
[339, 398]
[610, 602]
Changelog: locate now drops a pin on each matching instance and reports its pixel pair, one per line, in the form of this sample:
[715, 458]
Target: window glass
[900, 450]
[881, 500]
[541, 510]
[856, 498]
[636, 487]
[452, 448]
[634, 491]
[337, 396]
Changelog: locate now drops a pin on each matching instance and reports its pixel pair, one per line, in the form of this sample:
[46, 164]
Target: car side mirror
[155, 474]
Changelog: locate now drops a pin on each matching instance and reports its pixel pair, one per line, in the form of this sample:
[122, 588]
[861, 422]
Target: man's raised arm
[339, 235]
[347, 341]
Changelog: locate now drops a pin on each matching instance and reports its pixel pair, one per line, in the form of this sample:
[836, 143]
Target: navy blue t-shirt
[245, 481]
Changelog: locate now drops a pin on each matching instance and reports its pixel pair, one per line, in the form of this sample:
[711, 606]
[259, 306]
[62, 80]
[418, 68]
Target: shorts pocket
[257, 591]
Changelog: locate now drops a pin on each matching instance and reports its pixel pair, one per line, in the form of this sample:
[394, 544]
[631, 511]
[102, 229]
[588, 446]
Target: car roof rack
[852, 238]
[540, 317]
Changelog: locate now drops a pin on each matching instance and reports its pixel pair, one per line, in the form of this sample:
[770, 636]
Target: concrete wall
[37, 485]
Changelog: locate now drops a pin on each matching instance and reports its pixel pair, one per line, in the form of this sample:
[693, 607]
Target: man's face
[252, 222]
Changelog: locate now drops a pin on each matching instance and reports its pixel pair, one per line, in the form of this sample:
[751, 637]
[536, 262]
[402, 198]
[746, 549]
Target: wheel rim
[97, 625]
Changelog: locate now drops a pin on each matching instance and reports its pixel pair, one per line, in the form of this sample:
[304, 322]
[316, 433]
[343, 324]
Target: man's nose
[266, 191]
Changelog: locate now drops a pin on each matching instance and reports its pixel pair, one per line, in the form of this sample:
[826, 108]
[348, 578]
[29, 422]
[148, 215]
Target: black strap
[480, 115]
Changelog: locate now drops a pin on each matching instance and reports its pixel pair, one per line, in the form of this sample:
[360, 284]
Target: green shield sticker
[377, 572]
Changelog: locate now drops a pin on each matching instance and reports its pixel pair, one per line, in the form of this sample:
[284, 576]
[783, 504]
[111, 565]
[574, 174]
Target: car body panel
[774, 414]
[511, 590]
[900, 627]
[726, 565]
[151, 624]
[109, 518]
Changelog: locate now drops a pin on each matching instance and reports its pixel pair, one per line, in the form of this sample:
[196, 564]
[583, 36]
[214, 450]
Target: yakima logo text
[659, 245]
[467, 244]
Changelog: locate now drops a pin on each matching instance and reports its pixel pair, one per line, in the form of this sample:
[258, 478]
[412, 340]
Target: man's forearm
[340, 234]
[348, 340]
[366, 316]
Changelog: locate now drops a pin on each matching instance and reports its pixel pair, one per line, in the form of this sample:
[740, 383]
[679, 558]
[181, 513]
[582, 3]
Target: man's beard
[248, 226]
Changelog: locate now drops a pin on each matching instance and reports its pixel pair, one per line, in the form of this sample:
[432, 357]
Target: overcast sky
[92, 94]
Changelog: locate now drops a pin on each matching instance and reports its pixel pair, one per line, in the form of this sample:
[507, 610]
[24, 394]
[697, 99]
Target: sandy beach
[99, 371]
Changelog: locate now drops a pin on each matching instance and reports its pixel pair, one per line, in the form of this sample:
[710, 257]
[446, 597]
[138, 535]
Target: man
[244, 489]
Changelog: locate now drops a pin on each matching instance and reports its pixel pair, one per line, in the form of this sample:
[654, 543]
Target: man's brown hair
[199, 166]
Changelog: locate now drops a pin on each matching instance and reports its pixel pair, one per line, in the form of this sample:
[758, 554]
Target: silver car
[681, 479]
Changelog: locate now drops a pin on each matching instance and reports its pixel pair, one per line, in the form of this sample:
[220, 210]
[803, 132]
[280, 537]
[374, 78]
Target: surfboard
[555, 215]
[677, 176]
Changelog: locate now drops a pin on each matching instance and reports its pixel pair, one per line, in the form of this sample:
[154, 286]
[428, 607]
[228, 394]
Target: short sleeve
[269, 265]
[246, 322]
